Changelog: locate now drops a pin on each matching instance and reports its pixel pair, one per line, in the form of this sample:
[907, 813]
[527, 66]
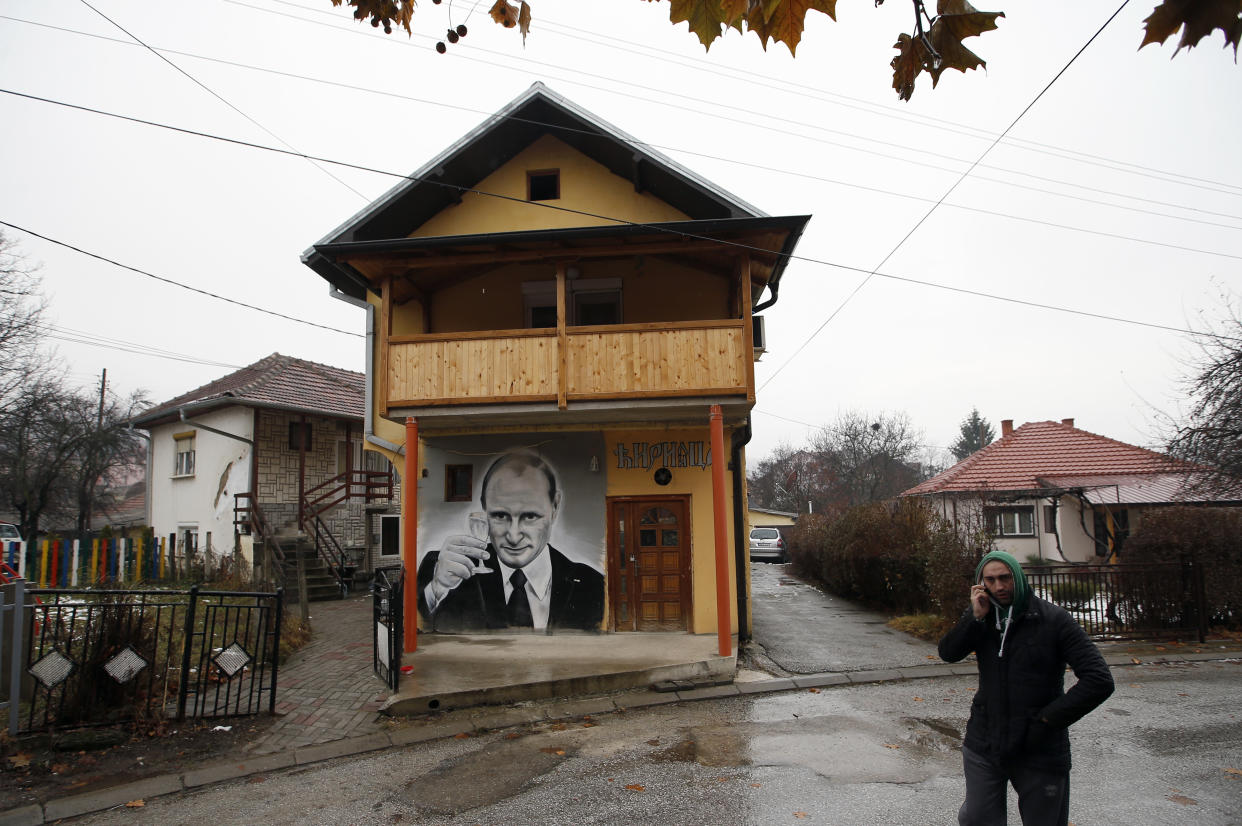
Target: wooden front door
[649, 564]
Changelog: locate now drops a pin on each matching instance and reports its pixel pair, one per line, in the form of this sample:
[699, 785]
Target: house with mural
[1052, 491]
[271, 451]
[562, 332]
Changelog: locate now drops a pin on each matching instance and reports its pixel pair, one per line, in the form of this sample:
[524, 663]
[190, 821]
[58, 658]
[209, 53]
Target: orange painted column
[409, 513]
[724, 617]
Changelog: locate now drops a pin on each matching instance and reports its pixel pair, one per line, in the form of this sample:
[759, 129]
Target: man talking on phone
[1019, 719]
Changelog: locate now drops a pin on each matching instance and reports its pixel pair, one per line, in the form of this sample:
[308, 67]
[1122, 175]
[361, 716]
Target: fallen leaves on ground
[891, 746]
[918, 699]
[1233, 772]
[136, 804]
[21, 760]
[813, 690]
[1183, 799]
[800, 815]
[760, 785]
[1136, 661]
[636, 787]
[552, 750]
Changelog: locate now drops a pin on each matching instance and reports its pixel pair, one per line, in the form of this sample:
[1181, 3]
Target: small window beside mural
[458, 483]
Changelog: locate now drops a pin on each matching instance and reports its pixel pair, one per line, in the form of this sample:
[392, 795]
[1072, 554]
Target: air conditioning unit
[758, 336]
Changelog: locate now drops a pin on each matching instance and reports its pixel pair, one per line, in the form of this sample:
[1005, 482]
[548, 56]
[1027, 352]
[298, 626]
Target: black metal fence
[100, 657]
[387, 627]
[1127, 600]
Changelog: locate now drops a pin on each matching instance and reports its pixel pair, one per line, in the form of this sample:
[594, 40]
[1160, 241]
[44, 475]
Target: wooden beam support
[380, 385]
[724, 618]
[423, 259]
[409, 544]
[562, 337]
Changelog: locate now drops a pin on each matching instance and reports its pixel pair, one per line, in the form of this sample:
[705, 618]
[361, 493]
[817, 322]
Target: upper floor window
[1012, 521]
[458, 483]
[591, 301]
[184, 451]
[543, 185]
[299, 435]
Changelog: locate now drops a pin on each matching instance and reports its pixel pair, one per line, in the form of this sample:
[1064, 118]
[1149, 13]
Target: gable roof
[1041, 455]
[276, 382]
[438, 184]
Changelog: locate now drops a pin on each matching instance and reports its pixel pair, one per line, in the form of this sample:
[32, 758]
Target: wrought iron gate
[100, 657]
[387, 598]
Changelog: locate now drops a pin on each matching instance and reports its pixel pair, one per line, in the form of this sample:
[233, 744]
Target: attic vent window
[543, 185]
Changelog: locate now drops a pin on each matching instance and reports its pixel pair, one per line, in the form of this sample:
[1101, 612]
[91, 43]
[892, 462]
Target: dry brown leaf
[636, 787]
[513, 735]
[20, 760]
[462, 736]
[1233, 772]
[1183, 799]
[813, 690]
[918, 699]
[760, 785]
[1136, 661]
[800, 815]
[653, 742]
[136, 804]
[891, 746]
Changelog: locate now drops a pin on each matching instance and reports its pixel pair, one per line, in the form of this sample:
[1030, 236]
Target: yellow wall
[697, 483]
[585, 185]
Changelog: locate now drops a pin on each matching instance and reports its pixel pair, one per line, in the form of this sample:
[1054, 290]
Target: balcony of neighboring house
[583, 326]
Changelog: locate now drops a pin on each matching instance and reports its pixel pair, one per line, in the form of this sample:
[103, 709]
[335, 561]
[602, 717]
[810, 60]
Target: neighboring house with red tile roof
[276, 430]
[1053, 491]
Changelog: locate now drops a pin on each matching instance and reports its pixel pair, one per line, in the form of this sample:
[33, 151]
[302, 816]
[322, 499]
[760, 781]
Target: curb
[117, 796]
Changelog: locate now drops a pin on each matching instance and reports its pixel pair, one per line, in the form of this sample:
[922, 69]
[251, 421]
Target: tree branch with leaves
[932, 46]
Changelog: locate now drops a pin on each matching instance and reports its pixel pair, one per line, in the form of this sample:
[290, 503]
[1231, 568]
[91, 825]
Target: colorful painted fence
[73, 563]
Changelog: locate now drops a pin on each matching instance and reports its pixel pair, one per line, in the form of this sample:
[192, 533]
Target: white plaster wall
[222, 468]
[1075, 545]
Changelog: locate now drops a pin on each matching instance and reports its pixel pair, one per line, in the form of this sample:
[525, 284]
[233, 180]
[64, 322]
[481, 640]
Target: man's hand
[978, 600]
[460, 558]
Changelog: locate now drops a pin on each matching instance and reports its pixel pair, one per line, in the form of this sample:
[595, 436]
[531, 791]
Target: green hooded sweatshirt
[1021, 592]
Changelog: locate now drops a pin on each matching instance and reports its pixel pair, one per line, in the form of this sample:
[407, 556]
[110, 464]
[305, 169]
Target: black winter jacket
[1021, 711]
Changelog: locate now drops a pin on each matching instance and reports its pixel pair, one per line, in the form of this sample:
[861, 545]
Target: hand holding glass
[479, 530]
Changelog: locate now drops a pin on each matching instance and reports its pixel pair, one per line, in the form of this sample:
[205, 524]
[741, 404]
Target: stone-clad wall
[278, 474]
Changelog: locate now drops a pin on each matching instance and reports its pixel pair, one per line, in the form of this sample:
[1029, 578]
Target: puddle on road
[841, 748]
[487, 776]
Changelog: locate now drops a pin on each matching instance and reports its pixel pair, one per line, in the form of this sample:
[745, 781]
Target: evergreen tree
[977, 433]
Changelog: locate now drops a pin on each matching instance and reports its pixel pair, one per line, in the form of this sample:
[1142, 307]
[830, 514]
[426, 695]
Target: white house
[282, 433]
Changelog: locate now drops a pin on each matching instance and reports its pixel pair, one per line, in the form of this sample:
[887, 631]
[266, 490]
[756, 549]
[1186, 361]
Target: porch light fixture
[593, 465]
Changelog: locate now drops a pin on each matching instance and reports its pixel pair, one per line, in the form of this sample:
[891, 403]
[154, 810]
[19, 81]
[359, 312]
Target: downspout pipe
[368, 429]
[741, 537]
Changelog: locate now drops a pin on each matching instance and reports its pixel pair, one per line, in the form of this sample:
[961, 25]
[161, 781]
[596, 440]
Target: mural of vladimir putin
[514, 578]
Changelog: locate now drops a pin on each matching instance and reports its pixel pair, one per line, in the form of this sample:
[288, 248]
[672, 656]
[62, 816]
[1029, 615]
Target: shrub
[900, 556]
[1210, 537]
[1072, 593]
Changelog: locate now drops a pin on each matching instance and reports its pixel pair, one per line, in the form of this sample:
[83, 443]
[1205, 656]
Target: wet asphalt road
[846, 637]
[1165, 749]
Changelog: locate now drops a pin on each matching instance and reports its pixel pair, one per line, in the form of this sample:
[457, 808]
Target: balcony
[623, 365]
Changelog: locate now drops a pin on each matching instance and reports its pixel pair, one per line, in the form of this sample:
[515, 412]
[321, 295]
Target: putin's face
[520, 513]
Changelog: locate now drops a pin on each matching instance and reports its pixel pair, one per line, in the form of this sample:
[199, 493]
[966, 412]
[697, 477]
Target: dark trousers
[1043, 797]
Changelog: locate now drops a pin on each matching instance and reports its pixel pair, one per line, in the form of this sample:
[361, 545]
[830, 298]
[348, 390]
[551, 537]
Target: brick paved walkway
[327, 690]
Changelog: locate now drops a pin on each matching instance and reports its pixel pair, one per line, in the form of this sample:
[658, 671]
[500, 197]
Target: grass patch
[295, 633]
[924, 626]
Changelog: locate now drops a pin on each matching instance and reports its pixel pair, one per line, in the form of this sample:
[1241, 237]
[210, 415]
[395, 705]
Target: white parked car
[767, 544]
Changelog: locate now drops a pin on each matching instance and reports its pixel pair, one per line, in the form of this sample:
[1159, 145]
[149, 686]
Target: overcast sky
[1118, 193]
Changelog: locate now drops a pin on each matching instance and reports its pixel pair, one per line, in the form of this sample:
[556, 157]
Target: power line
[644, 96]
[866, 106]
[214, 94]
[747, 164]
[178, 283]
[73, 336]
[664, 229]
[929, 212]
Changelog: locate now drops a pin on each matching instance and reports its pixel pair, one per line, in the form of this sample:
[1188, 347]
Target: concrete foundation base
[460, 670]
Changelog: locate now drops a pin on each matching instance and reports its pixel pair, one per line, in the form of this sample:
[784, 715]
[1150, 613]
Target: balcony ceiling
[425, 265]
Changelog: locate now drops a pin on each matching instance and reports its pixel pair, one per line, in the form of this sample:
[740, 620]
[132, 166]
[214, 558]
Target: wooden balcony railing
[690, 358]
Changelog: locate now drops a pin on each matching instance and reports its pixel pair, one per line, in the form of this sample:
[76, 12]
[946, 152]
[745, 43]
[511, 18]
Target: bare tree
[21, 319]
[1211, 433]
[870, 458]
